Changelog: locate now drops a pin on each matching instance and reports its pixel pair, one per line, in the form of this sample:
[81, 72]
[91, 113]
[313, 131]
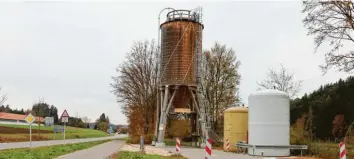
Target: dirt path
[97, 152]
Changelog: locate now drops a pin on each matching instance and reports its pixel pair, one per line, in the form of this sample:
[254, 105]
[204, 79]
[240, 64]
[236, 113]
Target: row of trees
[7, 109]
[328, 111]
[102, 123]
[43, 109]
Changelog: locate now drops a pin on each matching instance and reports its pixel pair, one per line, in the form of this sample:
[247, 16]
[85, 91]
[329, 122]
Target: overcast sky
[66, 52]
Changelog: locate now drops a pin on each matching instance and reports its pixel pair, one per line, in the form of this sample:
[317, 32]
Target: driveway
[12, 145]
[97, 152]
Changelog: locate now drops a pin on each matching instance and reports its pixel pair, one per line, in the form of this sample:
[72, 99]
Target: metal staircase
[205, 122]
[198, 64]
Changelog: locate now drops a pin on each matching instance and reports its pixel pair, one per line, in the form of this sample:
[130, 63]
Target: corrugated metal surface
[235, 126]
[269, 121]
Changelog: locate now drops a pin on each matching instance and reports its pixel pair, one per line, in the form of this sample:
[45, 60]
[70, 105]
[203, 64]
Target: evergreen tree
[326, 108]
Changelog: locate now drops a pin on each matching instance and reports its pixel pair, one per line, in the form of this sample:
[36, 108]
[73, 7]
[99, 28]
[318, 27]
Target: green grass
[46, 152]
[137, 155]
[71, 132]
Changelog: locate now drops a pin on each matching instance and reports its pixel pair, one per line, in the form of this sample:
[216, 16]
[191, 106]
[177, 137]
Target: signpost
[64, 118]
[58, 128]
[30, 119]
[49, 121]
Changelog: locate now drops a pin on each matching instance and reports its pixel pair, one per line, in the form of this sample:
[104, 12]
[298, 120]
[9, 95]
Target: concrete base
[153, 143]
[160, 144]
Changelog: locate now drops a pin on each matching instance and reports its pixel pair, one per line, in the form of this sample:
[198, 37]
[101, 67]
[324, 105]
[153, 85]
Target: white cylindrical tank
[269, 121]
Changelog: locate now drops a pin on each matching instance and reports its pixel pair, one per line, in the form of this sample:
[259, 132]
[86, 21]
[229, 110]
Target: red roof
[11, 116]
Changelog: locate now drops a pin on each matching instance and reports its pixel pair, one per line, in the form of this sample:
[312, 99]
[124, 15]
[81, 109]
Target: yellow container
[235, 126]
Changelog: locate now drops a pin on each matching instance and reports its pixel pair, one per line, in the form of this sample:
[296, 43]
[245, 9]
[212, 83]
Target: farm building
[18, 119]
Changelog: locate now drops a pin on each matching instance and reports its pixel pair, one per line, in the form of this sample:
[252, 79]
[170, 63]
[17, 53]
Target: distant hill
[328, 102]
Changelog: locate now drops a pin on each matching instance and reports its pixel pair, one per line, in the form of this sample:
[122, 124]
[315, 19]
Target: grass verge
[47, 151]
[138, 155]
[71, 133]
[329, 150]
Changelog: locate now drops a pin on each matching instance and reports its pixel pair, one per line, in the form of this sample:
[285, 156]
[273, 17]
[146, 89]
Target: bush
[136, 127]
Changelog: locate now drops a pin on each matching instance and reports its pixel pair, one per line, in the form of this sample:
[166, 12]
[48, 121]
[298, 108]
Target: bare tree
[220, 80]
[332, 21]
[135, 86]
[86, 120]
[282, 80]
[2, 98]
[40, 110]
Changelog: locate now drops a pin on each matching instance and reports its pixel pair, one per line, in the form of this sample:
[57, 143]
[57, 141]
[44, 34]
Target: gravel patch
[148, 149]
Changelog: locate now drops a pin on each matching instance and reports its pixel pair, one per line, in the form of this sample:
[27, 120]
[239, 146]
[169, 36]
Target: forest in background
[328, 111]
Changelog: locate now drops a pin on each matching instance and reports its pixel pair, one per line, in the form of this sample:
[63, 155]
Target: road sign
[65, 114]
[64, 119]
[58, 128]
[49, 121]
[30, 118]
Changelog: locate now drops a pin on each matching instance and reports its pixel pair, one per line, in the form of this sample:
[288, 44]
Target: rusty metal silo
[180, 62]
[181, 37]
[180, 34]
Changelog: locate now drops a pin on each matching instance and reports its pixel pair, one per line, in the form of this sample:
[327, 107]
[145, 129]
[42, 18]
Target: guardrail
[289, 147]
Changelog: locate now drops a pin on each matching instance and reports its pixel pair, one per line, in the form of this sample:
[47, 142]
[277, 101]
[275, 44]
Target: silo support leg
[159, 114]
[195, 102]
[157, 121]
[202, 120]
[161, 133]
[163, 119]
[161, 104]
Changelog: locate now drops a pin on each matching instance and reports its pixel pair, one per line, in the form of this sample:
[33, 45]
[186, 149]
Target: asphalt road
[194, 153]
[12, 145]
[101, 151]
